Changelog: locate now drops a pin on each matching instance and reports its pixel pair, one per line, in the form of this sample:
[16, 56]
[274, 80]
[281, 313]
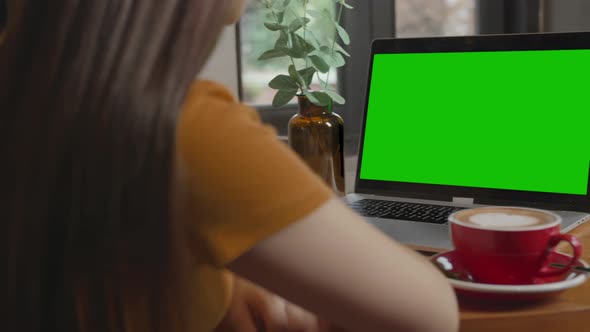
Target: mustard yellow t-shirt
[243, 186]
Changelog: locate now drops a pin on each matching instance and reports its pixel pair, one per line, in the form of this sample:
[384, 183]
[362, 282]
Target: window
[425, 18]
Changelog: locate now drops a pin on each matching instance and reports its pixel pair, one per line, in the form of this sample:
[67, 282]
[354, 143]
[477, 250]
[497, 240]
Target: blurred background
[235, 61]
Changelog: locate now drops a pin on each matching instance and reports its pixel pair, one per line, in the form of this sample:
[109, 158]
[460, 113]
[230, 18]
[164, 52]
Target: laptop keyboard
[436, 214]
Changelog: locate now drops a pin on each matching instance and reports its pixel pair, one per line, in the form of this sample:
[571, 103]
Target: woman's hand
[255, 309]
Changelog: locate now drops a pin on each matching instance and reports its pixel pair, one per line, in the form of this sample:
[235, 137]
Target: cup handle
[546, 270]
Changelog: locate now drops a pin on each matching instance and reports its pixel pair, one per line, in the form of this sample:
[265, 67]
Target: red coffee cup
[509, 245]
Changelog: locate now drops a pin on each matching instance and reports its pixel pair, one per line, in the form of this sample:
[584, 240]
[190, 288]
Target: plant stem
[293, 62]
[334, 40]
[306, 57]
[319, 78]
[290, 57]
[304, 29]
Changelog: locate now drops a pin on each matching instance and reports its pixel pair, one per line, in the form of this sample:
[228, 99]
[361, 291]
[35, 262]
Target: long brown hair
[89, 96]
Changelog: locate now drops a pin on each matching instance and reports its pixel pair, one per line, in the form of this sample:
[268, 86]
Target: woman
[128, 191]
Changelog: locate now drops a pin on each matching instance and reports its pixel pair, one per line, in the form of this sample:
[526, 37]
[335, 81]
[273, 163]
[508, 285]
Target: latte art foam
[505, 217]
[503, 220]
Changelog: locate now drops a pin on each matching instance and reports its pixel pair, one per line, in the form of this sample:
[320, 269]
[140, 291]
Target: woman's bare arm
[335, 264]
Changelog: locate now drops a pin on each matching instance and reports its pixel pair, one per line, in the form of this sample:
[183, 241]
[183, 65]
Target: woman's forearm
[337, 265]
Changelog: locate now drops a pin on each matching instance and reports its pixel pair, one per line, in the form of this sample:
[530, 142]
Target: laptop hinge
[463, 200]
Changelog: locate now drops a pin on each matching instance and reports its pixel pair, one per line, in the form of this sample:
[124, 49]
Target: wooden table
[569, 311]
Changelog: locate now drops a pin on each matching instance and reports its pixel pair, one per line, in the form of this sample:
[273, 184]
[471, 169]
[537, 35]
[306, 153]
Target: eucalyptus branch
[340, 10]
[306, 58]
[305, 28]
[319, 55]
[319, 78]
[294, 14]
[290, 57]
[294, 66]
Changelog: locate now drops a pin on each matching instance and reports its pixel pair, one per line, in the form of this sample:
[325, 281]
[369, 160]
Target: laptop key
[428, 213]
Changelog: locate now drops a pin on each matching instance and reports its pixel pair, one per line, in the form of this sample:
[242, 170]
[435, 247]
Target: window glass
[426, 18]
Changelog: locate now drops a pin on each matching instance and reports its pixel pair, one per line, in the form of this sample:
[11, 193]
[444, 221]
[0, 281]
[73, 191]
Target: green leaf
[311, 96]
[341, 31]
[320, 64]
[275, 26]
[283, 41]
[337, 60]
[298, 23]
[343, 34]
[336, 97]
[307, 74]
[307, 46]
[315, 13]
[280, 16]
[332, 58]
[279, 6]
[286, 3]
[326, 13]
[300, 48]
[311, 37]
[338, 48]
[296, 76]
[304, 76]
[283, 97]
[322, 98]
[294, 53]
[343, 3]
[283, 82]
[276, 53]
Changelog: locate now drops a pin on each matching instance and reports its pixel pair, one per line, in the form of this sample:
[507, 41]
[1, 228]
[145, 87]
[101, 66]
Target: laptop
[459, 122]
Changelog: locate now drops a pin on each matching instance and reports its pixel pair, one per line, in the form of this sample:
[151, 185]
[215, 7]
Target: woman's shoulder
[208, 103]
[209, 106]
[210, 96]
[210, 91]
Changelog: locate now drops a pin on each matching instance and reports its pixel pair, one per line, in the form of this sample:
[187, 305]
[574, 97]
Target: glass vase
[317, 135]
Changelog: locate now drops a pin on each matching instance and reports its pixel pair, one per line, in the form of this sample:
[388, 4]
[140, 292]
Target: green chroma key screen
[516, 120]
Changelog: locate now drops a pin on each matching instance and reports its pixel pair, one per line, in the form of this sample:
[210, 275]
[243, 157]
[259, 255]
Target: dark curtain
[3, 13]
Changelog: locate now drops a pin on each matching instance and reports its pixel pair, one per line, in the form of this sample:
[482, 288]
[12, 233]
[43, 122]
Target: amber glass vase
[317, 135]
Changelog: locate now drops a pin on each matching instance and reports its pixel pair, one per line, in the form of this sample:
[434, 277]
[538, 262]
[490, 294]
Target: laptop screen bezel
[484, 43]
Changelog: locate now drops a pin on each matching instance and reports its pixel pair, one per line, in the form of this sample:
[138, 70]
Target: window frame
[509, 16]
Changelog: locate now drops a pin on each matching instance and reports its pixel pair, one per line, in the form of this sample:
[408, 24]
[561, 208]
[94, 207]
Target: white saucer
[448, 262]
